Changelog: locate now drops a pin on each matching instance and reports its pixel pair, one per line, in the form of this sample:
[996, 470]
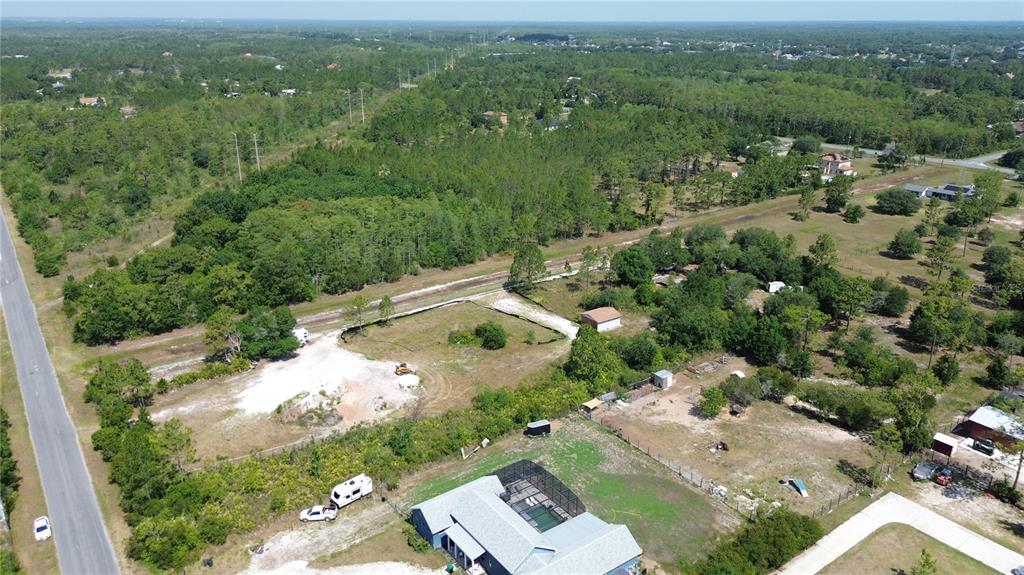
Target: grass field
[35, 557]
[897, 548]
[616, 482]
[452, 374]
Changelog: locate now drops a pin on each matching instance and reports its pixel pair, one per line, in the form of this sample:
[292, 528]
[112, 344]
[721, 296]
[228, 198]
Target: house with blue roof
[524, 521]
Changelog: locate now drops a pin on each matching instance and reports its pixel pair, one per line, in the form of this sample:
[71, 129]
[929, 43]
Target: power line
[238, 158]
[256, 145]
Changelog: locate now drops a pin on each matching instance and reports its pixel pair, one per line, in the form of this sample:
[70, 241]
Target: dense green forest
[596, 138]
[599, 110]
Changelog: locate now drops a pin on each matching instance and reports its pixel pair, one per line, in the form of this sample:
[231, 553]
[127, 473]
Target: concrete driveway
[893, 508]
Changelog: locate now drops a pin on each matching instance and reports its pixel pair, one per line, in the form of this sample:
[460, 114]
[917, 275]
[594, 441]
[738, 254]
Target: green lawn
[897, 548]
[615, 482]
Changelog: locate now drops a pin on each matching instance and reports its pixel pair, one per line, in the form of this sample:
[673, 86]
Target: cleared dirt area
[330, 386]
[769, 442]
[324, 387]
[452, 374]
[897, 548]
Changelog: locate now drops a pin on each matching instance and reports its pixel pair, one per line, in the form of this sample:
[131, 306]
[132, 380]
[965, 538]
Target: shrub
[761, 546]
[947, 369]
[414, 539]
[632, 266]
[947, 231]
[1005, 492]
[897, 202]
[895, 302]
[853, 213]
[462, 337]
[742, 390]
[906, 244]
[491, 335]
[618, 298]
[712, 401]
[10, 479]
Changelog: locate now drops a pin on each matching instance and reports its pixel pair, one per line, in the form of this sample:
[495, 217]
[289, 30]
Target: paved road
[83, 546]
[893, 508]
[976, 163]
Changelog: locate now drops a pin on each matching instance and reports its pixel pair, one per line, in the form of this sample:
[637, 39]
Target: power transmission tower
[362, 108]
[238, 158]
[256, 144]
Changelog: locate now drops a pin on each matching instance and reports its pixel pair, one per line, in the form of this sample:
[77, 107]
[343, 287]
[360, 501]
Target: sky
[529, 10]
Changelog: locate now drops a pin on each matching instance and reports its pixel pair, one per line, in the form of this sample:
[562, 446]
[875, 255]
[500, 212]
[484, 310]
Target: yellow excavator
[402, 369]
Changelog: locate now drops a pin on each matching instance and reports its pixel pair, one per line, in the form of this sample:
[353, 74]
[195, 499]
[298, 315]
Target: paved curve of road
[83, 545]
[893, 508]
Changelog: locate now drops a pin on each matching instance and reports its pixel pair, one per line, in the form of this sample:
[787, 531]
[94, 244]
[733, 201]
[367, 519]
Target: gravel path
[515, 305]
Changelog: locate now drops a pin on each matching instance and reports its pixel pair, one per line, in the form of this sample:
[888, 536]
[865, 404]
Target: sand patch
[516, 306]
[324, 373]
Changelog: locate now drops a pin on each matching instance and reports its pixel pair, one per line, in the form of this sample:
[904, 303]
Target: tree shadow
[913, 281]
[887, 253]
[984, 302]
[858, 474]
[1014, 527]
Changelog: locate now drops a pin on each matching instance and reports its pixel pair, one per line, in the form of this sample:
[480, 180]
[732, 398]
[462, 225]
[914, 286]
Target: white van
[358, 487]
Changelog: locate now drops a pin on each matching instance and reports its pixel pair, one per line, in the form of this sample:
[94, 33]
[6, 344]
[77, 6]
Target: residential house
[834, 164]
[127, 111]
[524, 521]
[947, 192]
[90, 101]
[289, 92]
[988, 422]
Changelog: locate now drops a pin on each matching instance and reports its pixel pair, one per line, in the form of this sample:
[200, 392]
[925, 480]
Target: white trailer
[352, 490]
[302, 335]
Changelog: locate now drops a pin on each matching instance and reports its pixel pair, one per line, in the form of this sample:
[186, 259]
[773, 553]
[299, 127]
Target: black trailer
[541, 427]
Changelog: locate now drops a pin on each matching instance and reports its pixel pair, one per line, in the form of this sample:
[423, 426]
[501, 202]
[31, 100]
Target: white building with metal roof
[524, 528]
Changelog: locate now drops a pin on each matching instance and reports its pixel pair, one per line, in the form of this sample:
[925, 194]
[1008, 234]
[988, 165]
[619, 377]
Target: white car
[319, 513]
[41, 528]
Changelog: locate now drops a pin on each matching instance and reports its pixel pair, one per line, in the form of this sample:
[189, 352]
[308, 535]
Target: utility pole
[238, 158]
[362, 108]
[349, 92]
[256, 144]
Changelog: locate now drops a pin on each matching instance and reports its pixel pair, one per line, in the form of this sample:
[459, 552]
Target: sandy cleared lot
[766, 443]
[323, 388]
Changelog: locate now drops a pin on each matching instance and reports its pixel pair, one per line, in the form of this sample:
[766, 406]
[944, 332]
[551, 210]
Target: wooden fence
[744, 507]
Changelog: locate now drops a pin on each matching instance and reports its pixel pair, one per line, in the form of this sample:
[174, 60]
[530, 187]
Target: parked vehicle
[924, 471]
[41, 528]
[984, 446]
[1019, 570]
[352, 490]
[319, 513]
[944, 477]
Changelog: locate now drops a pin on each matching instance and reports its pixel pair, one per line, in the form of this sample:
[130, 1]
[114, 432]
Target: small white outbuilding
[775, 287]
